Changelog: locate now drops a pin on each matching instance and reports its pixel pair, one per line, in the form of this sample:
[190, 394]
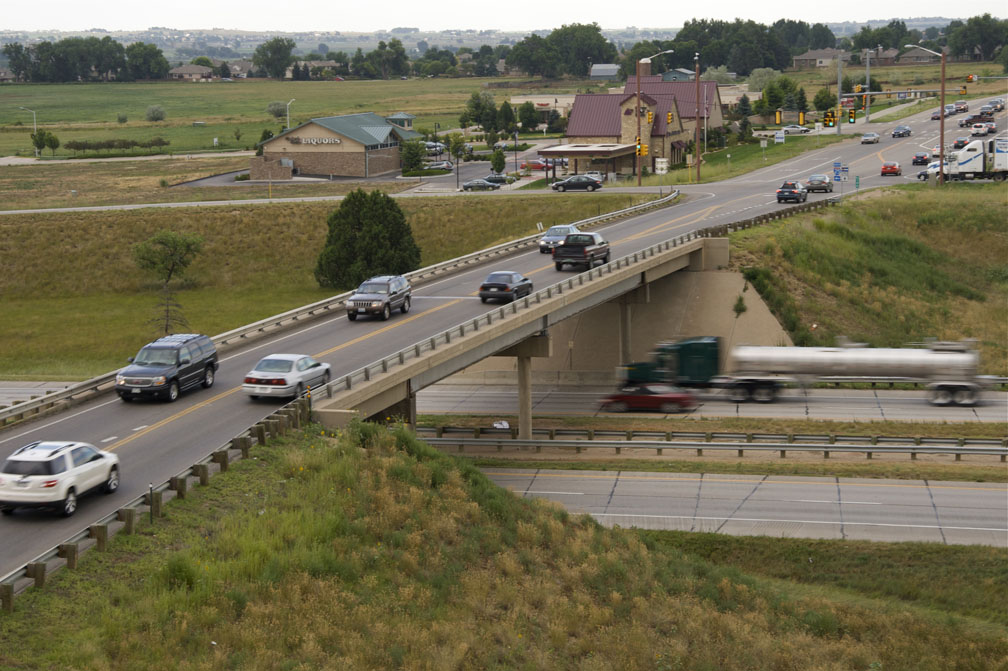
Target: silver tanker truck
[948, 370]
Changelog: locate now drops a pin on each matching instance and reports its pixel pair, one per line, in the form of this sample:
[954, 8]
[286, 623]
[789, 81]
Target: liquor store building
[352, 145]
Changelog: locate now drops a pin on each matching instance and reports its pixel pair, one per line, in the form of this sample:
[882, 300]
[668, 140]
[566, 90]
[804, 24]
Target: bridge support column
[524, 397]
[624, 331]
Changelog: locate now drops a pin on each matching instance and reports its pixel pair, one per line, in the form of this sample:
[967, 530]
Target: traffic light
[638, 145]
[644, 150]
[888, 93]
[971, 78]
[962, 91]
[857, 88]
[668, 118]
[851, 116]
[650, 116]
[777, 116]
[864, 102]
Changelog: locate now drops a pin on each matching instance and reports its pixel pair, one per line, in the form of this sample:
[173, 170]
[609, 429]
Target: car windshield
[19, 467]
[817, 178]
[268, 365]
[155, 356]
[499, 278]
[373, 288]
[788, 185]
[558, 230]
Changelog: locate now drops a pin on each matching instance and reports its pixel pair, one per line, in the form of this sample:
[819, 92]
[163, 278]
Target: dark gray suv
[168, 366]
[379, 296]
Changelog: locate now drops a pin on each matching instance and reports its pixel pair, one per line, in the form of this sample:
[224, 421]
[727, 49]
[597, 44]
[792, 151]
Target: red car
[891, 168]
[652, 396]
[535, 164]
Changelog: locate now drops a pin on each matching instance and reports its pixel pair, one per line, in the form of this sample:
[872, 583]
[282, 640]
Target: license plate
[493, 288]
[135, 391]
[360, 310]
[23, 483]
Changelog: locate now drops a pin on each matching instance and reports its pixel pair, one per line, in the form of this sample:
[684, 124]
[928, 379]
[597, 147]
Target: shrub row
[120, 143]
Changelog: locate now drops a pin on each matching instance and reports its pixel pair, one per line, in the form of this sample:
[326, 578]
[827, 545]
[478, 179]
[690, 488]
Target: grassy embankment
[374, 551]
[90, 111]
[84, 309]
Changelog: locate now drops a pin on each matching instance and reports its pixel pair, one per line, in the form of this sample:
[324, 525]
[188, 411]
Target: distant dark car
[479, 185]
[901, 131]
[662, 397]
[921, 158]
[891, 168]
[504, 285]
[379, 296]
[937, 114]
[577, 182]
[792, 191]
[554, 236]
[819, 183]
[960, 142]
[494, 178]
[167, 366]
[795, 129]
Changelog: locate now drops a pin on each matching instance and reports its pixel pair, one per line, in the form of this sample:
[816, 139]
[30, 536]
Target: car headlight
[120, 379]
[376, 304]
[159, 380]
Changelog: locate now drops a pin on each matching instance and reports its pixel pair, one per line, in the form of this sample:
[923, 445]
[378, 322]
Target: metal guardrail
[126, 518]
[105, 382]
[741, 448]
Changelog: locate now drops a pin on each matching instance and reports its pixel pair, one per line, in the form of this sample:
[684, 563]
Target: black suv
[168, 366]
[380, 296]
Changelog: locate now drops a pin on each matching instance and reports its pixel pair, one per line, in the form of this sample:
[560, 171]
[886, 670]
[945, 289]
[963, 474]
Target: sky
[325, 15]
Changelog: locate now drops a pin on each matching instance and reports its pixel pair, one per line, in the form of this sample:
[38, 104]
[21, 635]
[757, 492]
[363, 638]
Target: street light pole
[288, 111]
[696, 132]
[34, 126]
[941, 114]
[867, 85]
[637, 111]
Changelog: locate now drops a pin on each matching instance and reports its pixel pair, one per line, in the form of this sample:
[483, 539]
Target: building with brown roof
[819, 58]
[191, 72]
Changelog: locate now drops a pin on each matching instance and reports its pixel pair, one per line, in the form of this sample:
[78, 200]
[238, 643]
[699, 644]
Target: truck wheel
[352, 316]
[941, 396]
[964, 396]
[739, 393]
[764, 393]
[559, 266]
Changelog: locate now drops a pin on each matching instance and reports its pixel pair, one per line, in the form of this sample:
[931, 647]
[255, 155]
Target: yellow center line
[209, 401]
[540, 474]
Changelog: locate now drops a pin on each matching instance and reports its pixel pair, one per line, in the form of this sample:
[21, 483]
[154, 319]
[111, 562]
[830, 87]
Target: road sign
[762, 143]
[901, 95]
[857, 182]
[778, 137]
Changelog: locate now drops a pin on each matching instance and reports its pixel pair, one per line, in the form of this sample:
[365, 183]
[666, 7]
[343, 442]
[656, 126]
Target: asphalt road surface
[954, 513]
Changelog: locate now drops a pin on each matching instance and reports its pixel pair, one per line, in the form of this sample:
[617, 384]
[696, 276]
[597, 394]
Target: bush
[243, 177]
[122, 118]
[155, 113]
[277, 109]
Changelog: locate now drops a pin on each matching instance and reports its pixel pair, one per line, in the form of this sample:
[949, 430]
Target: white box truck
[980, 159]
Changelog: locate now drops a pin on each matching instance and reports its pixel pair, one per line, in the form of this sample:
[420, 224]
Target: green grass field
[371, 550]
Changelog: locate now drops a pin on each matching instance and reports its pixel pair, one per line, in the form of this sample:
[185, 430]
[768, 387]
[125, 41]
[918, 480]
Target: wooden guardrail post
[220, 457]
[68, 551]
[783, 454]
[203, 472]
[7, 596]
[99, 532]
[37, 572]
[825, 454]
[178, 485]
[260, 433]
[155, 504]
[128, 517]
[245, 446]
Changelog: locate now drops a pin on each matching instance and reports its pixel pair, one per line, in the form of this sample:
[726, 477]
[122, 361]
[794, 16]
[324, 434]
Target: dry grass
[374, 552]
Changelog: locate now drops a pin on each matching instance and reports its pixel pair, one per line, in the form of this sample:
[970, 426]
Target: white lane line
[140, 428]
[536, 491]
[777, 521]
[846, 503]
[110, 439]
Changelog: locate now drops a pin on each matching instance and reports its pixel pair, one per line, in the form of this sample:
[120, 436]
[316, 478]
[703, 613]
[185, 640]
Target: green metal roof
[366, 128]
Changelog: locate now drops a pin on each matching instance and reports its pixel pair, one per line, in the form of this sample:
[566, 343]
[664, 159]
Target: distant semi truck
[947, 369]
[980, 159]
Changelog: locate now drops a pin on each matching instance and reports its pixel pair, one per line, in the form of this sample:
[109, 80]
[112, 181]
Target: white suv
[52, 474]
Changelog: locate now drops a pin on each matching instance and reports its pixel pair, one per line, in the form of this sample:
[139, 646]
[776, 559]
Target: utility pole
[838, 94]
[696, 132]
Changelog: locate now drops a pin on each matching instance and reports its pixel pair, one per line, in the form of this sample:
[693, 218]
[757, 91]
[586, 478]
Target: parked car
[819, 183]
[504, 285]
[286, 375]
[795, 129]
[441, 165]
[534, 164]
[870, 138]
[921, 158]
[596, 175]
[891, 168]
[435, 148]
[554, 236]
[576, 182]
[979, 129]
[168, 366]
[901, 131]
[479, 185]
[379, 296]
[792, 191]
[54, 474]
[495, 178]
[662, 397]
[960, 142]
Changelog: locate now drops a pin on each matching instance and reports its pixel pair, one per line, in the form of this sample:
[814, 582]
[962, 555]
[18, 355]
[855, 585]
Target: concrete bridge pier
[540, 345]
[639, 296]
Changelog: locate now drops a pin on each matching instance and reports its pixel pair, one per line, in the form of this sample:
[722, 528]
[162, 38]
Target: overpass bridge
[521, 329]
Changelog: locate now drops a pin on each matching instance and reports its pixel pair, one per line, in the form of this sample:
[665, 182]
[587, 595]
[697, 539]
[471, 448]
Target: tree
[823, 100]
[535, 56]
[167, 255]
[277, 108]
[718, 74]
[224, 70]
[368, 235]
[266, 134]
[497, 160]
[456, 147]
[744, 106]
[578, 46]
[52, 142]
[506, 118]
[237, 134]
[155, 113]
[744, 130]
[528, 116]
[145, 61]
[202, 60]
[274, 56]
[760, 77]
[39, 138]
[412, 154]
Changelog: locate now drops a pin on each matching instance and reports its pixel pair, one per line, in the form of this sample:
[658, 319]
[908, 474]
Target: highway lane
[156, 441]
[841, 405]
[953, 513]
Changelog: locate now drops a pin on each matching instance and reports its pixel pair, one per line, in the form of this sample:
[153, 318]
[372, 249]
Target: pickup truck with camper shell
[581, 249]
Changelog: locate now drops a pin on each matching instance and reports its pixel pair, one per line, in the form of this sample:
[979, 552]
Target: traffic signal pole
[839, 108]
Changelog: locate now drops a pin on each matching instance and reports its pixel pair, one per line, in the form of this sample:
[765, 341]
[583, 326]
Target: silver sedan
[287, 375]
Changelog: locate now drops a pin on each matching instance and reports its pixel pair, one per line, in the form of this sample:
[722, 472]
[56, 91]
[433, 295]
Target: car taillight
[268, 381]
[46, 484]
